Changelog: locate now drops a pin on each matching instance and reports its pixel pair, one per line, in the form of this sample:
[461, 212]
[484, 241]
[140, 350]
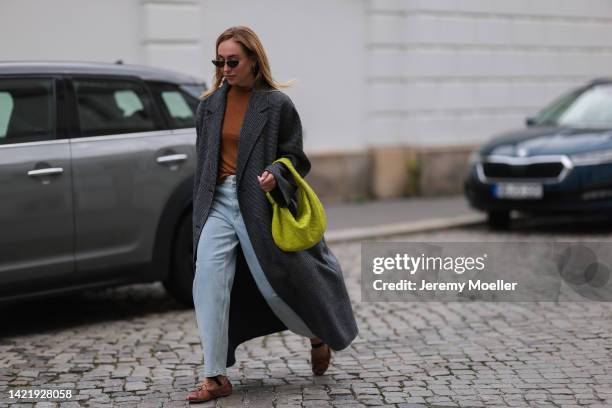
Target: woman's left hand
[267, 182]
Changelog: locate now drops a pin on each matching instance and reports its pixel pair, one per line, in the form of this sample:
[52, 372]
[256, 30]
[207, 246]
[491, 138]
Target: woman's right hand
[267, 181]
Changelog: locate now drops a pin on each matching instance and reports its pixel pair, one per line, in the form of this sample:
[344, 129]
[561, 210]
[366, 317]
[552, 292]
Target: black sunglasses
[230, 63]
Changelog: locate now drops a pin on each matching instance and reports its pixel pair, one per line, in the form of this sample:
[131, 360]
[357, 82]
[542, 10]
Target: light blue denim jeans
[214, 276]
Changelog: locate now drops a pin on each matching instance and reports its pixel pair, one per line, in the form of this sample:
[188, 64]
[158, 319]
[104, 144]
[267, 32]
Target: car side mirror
[530, 120]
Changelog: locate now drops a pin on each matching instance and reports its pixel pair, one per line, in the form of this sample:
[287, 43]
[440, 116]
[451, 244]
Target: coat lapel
[214, 111]
[254, 121]
[213, 122]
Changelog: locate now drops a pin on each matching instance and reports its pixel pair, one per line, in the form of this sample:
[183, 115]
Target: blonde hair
[254, 49]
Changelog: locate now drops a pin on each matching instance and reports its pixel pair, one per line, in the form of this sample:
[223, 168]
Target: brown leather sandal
[320, 364]
[203, 394]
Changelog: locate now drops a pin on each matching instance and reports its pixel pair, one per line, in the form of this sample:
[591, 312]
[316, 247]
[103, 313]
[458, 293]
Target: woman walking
[244, 285]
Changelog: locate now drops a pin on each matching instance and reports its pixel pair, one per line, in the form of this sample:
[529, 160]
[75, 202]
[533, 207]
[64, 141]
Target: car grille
[522, 171]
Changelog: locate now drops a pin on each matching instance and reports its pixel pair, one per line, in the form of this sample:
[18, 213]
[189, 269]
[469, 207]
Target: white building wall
[369, 72]
[71, 30]
[448, 72]
[318, 43]
[171, 35]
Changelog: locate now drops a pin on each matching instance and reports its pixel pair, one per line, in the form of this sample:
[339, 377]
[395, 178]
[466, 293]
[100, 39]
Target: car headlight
[590, 158]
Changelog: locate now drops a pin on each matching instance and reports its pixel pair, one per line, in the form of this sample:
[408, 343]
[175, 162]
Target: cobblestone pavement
[134, 346]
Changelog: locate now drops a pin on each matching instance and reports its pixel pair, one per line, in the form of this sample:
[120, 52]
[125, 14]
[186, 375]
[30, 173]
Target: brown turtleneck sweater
[235, 109]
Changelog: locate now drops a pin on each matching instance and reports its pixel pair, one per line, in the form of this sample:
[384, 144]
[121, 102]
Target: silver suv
[96, 177]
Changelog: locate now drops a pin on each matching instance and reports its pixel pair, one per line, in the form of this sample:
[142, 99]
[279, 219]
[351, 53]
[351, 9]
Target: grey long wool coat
[309, 281]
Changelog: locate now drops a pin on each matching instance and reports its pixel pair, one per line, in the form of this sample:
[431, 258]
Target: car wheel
[499, 220]
[180, 278]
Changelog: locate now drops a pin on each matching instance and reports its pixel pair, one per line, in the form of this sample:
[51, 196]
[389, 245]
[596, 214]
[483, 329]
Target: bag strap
[298, 179]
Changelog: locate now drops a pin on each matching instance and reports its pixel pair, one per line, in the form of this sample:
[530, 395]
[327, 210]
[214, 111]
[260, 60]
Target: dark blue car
[561, 163]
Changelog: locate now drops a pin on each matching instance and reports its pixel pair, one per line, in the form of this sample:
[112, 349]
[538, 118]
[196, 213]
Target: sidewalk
[355, 221]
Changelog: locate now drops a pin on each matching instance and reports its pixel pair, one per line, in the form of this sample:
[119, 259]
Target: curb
[357, 234]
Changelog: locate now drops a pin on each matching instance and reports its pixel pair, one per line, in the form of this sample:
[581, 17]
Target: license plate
[518, 191]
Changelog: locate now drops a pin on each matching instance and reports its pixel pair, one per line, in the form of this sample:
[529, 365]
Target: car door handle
[45, 172]
[172, 158]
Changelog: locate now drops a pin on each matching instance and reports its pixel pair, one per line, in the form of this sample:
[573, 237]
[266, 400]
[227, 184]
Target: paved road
[134, 346]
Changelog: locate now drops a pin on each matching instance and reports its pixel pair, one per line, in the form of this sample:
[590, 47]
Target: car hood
[537, 141]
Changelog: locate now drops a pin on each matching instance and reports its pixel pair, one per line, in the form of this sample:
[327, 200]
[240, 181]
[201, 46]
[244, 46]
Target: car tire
[499, 220]
[179, 282]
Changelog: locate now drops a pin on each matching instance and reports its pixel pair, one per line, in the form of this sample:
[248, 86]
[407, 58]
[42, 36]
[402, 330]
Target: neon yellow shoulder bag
[291, 233]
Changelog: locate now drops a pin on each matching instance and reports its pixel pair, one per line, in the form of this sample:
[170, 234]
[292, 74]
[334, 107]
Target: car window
[593, 107]
[27, 110]
[112, 106]
[590, 107]
[178, 103]
[178, 108]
